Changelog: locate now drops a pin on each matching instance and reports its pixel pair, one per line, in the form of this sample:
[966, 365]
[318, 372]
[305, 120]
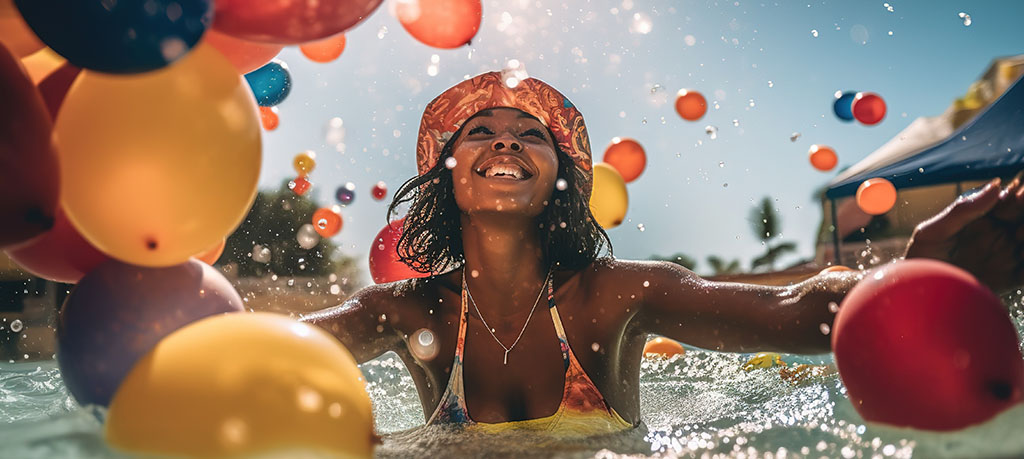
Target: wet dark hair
[431, 239]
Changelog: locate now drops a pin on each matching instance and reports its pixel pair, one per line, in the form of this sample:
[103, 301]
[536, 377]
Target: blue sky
[761, 68]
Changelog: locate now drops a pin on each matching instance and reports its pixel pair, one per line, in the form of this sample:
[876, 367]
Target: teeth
[504, 169]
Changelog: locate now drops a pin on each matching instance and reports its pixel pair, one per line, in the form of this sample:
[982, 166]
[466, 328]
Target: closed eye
[480, 130]
[536, 132]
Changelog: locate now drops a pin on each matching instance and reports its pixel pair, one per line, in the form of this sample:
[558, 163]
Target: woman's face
[505, 163]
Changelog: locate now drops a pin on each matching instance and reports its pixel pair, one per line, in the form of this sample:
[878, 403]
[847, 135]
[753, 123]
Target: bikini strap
[563, 342]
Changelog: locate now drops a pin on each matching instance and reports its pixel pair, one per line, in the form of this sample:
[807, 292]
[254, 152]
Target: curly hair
[431, 240]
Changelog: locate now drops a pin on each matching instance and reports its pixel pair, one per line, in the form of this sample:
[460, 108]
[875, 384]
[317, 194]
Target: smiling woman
[500, 209]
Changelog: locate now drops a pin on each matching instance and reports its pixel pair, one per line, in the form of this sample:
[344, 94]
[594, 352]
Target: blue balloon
[843, 105]
[270, 83]
[346, 193]
[118, 36]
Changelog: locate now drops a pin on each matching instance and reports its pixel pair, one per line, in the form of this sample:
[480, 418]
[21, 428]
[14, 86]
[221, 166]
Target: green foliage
[765, 222]
[273, 222]
[680, 259]
[721, 267]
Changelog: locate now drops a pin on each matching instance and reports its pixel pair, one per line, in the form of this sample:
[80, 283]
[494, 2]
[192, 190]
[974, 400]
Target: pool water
[699, 404]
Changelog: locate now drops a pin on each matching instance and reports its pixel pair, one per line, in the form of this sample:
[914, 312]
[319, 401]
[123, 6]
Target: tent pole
[835, 231]
[959, 188]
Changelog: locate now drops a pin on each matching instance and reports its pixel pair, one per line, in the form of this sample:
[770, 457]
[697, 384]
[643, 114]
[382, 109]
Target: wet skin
[610, 307]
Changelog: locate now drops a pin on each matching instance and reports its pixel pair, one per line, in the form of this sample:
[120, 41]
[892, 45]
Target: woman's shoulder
[407, 292]
[610, 269]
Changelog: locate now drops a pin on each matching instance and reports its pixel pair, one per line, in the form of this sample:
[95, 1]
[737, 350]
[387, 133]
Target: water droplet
[595, 347]
[335, 289]
[647, 284]
[451, 162]
[794, 136]
[474, 273]
[690, 40]
[966, 18]
[711, 131]
[423, 344]
[307, 236]
[640, 227]
[814, 33]
[833, 307]
[260, 254]
[736, 123]
[888, 7]
[561, 184]
[381, 32]
[771, 84]
[17, 326]
[655, 88]
[721, 164]
[641, 24]
[825, 329]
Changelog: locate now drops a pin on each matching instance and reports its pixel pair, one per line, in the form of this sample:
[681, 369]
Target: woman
[499, 215]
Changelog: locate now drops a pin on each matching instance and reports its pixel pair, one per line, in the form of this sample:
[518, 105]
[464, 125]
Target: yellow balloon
[15, 34]
[41, 64]
[304, 163]
[241, 384]
[159, 166]
[609, 199]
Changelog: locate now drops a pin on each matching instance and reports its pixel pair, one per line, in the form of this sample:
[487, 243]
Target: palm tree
[680, 259]
[765, 223]
[720, 267]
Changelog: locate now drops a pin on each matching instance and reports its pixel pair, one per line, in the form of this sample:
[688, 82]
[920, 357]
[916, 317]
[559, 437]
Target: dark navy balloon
[346, 193]
[118, 312]
[270, 83]
[843, 105]
[126, 36]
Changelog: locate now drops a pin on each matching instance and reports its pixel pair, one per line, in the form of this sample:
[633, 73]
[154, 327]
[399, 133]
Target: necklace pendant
[506, 359]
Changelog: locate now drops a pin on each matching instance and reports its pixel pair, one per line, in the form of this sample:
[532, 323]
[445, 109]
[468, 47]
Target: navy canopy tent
[991, 145]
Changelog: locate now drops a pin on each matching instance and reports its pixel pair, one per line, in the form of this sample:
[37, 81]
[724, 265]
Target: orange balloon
[691, 105]
[664, 346]
[876, 196]
[269, 119]
[245, 55]
[823, 158]
[626, 156]
[835, 269]
[213, 254]
[327, 221]
[326, 50]
[441, 23]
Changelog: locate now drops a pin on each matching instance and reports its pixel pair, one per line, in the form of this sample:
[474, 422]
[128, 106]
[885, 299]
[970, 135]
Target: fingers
[1011, 202]
[958, 214]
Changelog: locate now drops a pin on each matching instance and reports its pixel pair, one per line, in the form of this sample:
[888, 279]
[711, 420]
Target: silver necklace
[489, 330]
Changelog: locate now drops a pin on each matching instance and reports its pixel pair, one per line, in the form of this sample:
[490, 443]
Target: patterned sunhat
[446, 113]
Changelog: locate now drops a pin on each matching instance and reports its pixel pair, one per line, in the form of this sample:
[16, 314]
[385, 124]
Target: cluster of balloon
[379, 191]
[118, 312]
[240, 385]
[609, 200]
[442, 24]
[269, 118]
[923, 344]
[327, 221]
[289, 22]
[91, 34]
[30, 181]
[823, 158]
[664, 347]
[866, 107]
[271, 83]
[627, 156]
[876, 196]
[300, 185]
[346, 193]
[385, 265]
[691, 105]
[326, 50]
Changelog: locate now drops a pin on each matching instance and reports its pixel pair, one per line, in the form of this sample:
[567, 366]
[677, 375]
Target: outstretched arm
[360, 323]
[734, 317]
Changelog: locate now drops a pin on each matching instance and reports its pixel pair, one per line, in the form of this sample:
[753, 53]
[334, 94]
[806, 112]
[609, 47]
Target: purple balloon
[118, 312]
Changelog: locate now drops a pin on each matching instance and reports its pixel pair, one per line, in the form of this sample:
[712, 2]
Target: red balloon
[823, 158]
[868, 108]
[379, 191]
[691, 105]
[876, 196]
[300, 185]
[324, 51]
[327, 221]
[245, 55]
[60, 255]
[441, 23]
[269, 118]
[921, 343]
[289, 22]
[54, 87]
[627, 156]
[29, 172]
[385, 266]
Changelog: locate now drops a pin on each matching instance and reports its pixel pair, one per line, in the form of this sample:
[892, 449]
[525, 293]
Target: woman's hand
[982, 233]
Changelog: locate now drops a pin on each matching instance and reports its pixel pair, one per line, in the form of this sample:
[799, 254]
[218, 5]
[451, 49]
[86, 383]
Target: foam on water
[702, 403]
